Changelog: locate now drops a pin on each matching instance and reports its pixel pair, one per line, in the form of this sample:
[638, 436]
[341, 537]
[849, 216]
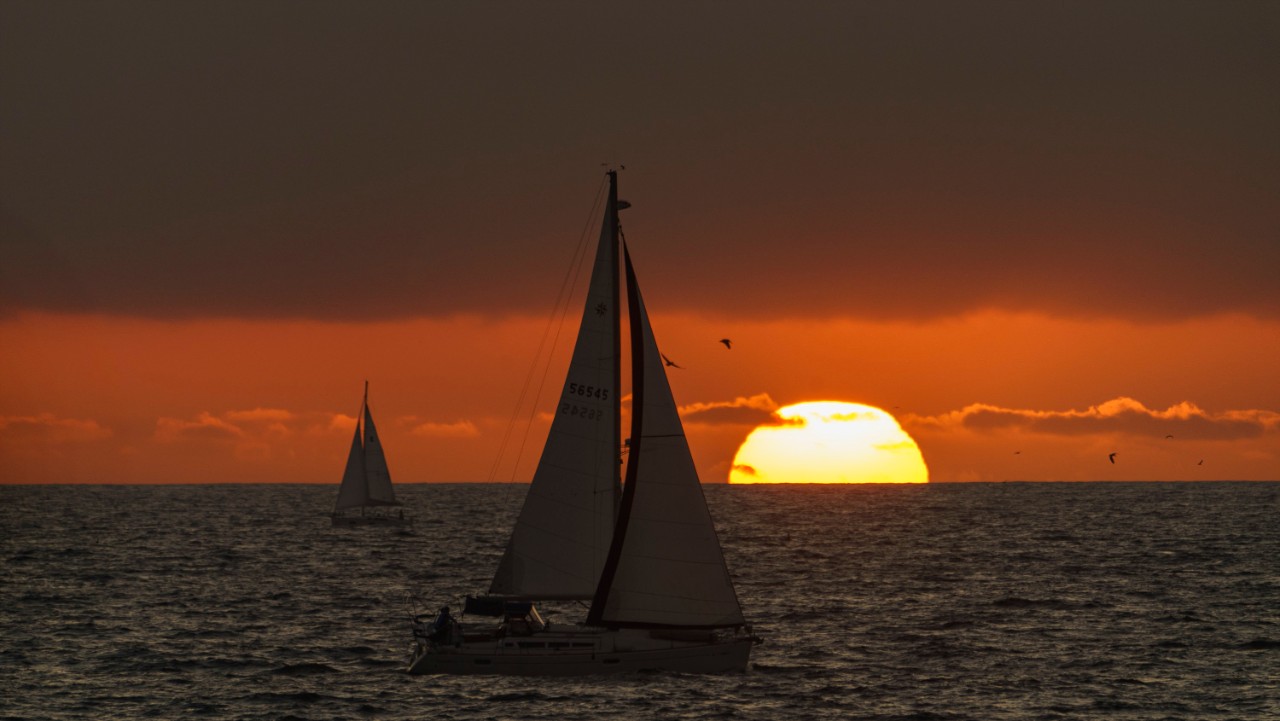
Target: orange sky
[1036, 233]
[104, 399]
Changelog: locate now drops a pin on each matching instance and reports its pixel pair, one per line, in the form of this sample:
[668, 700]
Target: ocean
[945, 601]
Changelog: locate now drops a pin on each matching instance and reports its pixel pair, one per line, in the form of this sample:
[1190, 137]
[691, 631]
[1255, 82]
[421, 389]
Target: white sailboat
[366, 497]
[644, 554]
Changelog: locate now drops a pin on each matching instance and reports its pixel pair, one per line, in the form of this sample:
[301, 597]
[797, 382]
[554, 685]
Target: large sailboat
[644, 554]
[366, 497]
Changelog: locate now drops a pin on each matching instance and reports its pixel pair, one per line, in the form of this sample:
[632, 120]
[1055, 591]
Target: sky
[1034, 233]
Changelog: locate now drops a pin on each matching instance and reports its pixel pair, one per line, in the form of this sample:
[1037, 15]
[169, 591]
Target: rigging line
[561, 296]
[575, 270]
[524, 391]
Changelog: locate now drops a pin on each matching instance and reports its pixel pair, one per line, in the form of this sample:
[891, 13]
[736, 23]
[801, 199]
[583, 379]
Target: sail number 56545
[578, 389]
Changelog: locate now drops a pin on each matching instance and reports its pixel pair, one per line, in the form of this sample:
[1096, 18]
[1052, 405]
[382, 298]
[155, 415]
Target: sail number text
[584, 391]
[578, 389]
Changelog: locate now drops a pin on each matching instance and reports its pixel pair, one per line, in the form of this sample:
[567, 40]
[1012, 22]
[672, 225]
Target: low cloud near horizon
[1123, 415]
[49, 428]
[744, 410]
[1120, 415]
[275, 445]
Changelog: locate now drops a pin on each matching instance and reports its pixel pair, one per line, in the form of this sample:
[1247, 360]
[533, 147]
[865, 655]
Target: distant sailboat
[645, 555]
[365, 497]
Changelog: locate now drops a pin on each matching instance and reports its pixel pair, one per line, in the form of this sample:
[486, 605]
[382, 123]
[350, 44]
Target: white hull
[585, 651]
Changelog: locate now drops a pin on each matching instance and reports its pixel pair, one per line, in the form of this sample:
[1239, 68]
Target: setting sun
[829, 442]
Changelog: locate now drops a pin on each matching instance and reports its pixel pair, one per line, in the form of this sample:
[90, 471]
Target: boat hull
[611, 652]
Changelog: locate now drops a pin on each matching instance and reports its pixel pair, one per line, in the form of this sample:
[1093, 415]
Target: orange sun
[829, 442]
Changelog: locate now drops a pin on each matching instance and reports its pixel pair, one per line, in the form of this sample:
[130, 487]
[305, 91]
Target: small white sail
[376, 474]
[670, 570]
[562, 535]
[353, 491]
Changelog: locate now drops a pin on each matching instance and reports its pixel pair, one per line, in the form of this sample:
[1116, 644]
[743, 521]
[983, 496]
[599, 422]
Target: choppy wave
[1004, 601]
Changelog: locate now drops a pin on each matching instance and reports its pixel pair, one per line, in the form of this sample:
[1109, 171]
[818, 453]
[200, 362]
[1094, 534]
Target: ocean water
[964, 601]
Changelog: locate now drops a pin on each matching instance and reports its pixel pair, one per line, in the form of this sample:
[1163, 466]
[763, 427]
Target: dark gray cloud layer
[354, 160]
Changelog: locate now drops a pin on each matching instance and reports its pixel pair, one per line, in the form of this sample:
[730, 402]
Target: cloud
[340, 421]
[1183, 420]
[745, 469]
[459, 429]
[746, 411]
[853, 416]
[261, 414]
[48, 428]
[254, 432]
[259, 434]
[266, 435]
[976, 194]
[205, 427]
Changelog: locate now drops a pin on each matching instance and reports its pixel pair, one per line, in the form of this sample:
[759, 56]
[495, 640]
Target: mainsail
[562, 535]
[665, 566]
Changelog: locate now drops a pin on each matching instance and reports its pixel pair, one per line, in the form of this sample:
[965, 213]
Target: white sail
[353, 491]
[562, 535]
[669, 569]
[376, 474]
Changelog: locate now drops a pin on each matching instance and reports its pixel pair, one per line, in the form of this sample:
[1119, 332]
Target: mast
[617, 339]
[596, 612]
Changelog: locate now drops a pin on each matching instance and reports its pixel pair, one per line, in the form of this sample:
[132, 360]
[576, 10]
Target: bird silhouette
[1170, 435]
[1017, 453]
[669, 362]
[1112, 457]
[727, 343]
[1201, 463]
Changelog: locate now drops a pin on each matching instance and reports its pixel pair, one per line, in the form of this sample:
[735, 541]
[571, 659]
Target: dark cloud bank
[356, 161]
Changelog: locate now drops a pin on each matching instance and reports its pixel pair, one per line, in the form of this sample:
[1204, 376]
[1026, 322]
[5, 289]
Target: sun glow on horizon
[829, 442]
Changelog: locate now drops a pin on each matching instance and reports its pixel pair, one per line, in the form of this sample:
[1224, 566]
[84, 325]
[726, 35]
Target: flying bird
[1017, 453]
[727, 343]
[1111, 457]
[1201, 463]
[1170, 435]
[669, 362]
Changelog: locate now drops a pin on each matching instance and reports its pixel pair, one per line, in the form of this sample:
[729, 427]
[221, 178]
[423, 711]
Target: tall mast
[617, 340]
[596, 612]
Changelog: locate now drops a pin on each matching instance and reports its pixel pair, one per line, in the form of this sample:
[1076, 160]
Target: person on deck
[442, 629]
